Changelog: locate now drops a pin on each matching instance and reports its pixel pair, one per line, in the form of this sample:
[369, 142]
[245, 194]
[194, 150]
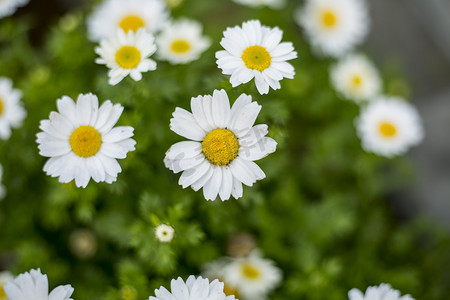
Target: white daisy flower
[214, 270]
[388, 126]
[275, 4]
[382, 292]
[5, 277]
[356, 78]
[182, 42]
[195, 288]
[224, 145]
[11, 111]
[255, 51]
[81, 141]
[253, 276]
[9, 7]
[127, 54]
[33, 285]
[334, 27]
[164, 233]
[111, 15]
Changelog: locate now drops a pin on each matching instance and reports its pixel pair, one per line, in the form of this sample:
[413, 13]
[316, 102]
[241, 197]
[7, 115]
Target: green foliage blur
[322, 214]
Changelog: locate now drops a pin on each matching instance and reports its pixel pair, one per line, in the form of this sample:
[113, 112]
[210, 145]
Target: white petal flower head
[356, 78]
[33, 285]
[275, 4]
[9, 7]
[11, 111]
[81, 141]
[127, 54]
[256, 51]
[111, 15]
[389, 126]
[334, 27]
[382, 292]
[253, 276]
[164, 233]
[5, 277]
[182, 42]
[195, 288]
[224, 145]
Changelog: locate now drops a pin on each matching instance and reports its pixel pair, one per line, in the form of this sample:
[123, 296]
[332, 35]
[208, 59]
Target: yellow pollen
[356, 80]
[387, 130]
[329, 19]
[180, 46]
[249, 271]
[131, 23]
[128, 57]
[85, 141]
[220, 146]
[256, 58]
[1, 109]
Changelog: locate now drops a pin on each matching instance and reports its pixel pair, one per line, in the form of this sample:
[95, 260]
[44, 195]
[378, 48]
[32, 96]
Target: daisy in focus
[382, 292]
[164, 233]
[356, 78]
[256, 51]
[111, 15]
[9, 7]
[389, 126]
[5, 277]
[334, 27]
[11, 111]
[195, 288]
[275, 4]
[127, 54]
[81, 141]
[253, 276]
[34, 285]
[224, 145]
[182, 42]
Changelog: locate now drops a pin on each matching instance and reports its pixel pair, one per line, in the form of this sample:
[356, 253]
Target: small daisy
[224, 145]
[334, 27]
[127, 54]
[5, 277]
[275, 4]
[164, 233]
[382, 292]
[8, 7]
[388, 126]
[195, 288]
[81, 141]
[111, 15]
[253, 276]
[255, 51]
[33, 285]
[356, 78]
[11, 110]
[182, 42]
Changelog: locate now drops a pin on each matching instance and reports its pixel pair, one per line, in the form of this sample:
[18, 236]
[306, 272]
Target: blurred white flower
[356, 78]
[275, 4]
[214, 270]
[389, 126]
[33, 285]
[382, 292]
[81, 141]
[182, 42]
[334, 27]
[111, 15]
[8, 7]
[256, 51]
[127, 54]
[164, 233]
[11, 111]
[224, 145]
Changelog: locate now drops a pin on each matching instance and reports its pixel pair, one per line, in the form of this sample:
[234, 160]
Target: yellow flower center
[128, 57]
[329, 19]
[85, 141]
[387, 130]
[229, 290]
[356, 81]
[2, 293]
[180, 46]
[256, 58]
[131, 23]
[1, 109]
[220, 146]
[249, 271]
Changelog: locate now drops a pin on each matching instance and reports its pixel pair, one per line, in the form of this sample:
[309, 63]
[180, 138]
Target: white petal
[227, 184]
[190, 176]
[184, 124]
[220, 108]
[254, 135]
[245, 119]
[112, 119]
[95, 169]
[188, 163]
[259, 150]
[185, 149]
[199, 114]
[212, 187]
[237, 191]
[118, 134]
[82, 175]
[203, 180]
